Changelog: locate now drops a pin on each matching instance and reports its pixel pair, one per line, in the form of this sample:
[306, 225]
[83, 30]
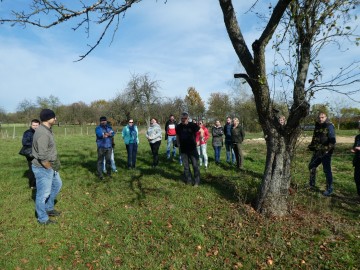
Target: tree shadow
[140, 191]
[234, 188]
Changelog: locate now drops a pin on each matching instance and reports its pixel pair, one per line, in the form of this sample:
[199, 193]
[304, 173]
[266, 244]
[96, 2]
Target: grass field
[148, 219]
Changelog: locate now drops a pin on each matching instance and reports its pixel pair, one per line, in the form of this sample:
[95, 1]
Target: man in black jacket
[27, 141]
[356, 161]
[322, 144]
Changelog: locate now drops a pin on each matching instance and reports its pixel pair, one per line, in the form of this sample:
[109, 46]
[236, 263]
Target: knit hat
[103, 118]
[46, 114]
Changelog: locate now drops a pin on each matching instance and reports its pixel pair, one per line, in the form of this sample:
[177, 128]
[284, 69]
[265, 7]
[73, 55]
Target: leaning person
[154, 136]
[45, 166]
[356, 161]
[27, 141]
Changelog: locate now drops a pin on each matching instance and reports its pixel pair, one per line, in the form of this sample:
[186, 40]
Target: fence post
[14, 133]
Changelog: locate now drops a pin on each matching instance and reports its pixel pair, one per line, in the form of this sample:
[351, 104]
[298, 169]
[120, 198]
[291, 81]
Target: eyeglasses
[183, 118]
[130, 122]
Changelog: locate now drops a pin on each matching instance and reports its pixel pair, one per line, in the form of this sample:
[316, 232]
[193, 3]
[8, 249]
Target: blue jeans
[203, 157]
[170, 143]
[325, 160]
[192, 157]
[229, 150]
[48, 185]
[217, 150]
[131, 149]
[112, 160]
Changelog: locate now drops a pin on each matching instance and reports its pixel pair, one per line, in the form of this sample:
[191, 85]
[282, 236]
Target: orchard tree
[220, 106]
[298, 30]
[194, 103]
[143, 93]
[27, 110]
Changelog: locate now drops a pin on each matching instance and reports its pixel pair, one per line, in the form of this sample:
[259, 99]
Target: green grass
[148, 219]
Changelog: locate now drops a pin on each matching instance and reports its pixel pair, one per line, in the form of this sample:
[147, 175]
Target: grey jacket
[44, 147]
[153, 134]
[217, 134]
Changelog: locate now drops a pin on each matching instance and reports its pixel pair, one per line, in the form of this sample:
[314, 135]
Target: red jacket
[201, 141]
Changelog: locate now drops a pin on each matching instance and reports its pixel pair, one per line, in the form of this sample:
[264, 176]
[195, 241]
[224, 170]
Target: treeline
[141, 100]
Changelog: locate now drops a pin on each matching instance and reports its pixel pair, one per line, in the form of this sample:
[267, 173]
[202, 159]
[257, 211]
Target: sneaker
[115, 171]
[328, 192]
[206, 167]
[101, 178]
[48, 222]
[196, 185]
[53, 213]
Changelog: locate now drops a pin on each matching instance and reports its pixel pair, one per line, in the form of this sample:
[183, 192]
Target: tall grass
[148, 219]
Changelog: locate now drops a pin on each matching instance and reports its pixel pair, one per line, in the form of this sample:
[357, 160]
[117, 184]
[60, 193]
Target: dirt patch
[303, 139]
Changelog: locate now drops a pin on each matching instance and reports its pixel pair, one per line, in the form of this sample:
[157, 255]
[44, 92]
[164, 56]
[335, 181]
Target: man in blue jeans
[322, 144]
[45, 166]
[170, 136]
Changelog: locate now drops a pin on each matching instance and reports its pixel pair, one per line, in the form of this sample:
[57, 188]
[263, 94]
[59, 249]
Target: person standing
[202, 137]
[217, 133]
[170, 136]
[112, 159]
[27, 141]
[356, 161]
[154, 136]
[230, 156]
[237, 137]
[130, 135]
[104, 134]
[185, 136]
[322, 144]
[45, 166]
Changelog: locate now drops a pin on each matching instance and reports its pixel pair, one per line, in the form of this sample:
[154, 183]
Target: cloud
[180, 44]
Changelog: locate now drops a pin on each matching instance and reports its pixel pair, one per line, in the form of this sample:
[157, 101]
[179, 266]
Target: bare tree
[28, 110]
[306, 31]
[143, 94]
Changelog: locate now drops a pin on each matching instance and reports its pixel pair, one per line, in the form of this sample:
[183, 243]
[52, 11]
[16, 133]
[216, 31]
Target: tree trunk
[272, 198]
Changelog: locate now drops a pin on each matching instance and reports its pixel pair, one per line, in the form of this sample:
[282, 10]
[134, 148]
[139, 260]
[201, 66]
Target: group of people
[190, 137]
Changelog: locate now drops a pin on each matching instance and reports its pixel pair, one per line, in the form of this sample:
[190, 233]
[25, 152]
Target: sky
[180, 44]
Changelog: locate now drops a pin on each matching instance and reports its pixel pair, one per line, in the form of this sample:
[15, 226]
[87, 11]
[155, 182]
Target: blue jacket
[130, 137]
[101, 141]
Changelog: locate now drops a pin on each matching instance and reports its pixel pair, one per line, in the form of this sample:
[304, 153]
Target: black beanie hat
[46, 114]
[103, 118]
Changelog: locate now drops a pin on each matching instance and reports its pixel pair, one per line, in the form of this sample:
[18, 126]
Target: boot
[328, 191]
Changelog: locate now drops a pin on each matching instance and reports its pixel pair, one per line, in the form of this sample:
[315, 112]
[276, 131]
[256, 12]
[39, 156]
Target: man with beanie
[45, 166]
[104, 134]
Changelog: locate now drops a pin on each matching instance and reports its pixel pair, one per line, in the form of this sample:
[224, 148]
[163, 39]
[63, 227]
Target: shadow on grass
[241, 188]
[139, 190]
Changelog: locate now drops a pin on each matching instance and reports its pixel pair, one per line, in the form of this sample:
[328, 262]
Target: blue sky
[180, 44]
